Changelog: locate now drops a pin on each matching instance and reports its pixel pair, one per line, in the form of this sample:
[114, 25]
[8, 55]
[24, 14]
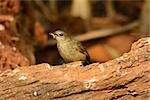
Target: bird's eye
[61, 34]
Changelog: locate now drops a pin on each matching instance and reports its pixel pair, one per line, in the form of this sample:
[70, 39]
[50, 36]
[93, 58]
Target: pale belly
[70, 53]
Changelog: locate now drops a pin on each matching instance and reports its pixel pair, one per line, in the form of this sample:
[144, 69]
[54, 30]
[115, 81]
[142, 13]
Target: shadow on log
[126, 77]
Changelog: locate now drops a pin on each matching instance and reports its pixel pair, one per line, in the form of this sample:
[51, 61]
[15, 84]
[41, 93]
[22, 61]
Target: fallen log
[126, 77]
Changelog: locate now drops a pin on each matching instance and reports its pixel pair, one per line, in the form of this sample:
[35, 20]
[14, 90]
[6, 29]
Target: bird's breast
[69, 51]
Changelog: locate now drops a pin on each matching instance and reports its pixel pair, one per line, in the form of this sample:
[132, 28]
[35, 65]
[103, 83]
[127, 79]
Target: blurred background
[106, 28]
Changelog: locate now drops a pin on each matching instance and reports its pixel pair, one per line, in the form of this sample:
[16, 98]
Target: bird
[70, 49]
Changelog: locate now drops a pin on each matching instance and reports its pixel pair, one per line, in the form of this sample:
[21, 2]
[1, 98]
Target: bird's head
[59, 35]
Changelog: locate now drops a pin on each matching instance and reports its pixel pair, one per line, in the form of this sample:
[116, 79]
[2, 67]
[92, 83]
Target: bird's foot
[84, 63]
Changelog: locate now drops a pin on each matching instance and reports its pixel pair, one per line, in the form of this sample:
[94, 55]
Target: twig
[44, 9]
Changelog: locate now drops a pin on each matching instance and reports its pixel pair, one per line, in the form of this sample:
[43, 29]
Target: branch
[126, 77]
[106, 32]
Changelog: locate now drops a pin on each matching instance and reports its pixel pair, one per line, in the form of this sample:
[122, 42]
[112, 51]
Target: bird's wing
[83, 50]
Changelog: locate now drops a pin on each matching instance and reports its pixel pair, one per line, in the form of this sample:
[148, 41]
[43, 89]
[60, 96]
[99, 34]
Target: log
[126, 77]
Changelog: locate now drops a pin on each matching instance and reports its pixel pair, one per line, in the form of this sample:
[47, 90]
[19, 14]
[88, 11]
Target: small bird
[70, 49]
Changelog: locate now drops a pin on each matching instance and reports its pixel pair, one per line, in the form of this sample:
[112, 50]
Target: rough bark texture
[126, 77]
[16, 42]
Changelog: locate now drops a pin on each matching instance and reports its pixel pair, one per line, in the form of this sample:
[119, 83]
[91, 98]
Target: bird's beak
[52, 35]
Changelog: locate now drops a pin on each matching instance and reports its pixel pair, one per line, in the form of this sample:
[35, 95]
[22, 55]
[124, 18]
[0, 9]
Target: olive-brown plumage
[70, 49]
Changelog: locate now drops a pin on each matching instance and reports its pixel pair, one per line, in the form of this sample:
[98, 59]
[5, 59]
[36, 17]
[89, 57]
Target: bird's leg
[84, 63]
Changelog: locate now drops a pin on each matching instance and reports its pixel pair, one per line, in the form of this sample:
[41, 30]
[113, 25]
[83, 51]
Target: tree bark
[126, 77]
